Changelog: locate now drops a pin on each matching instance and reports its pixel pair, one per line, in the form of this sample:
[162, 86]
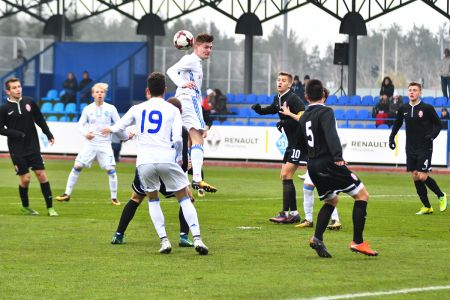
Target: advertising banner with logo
[260, 143]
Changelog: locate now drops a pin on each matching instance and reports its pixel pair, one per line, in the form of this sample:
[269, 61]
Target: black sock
[359, 220]
[184, 227]
[322, 220]
[23, 192]
[127, 215]
[47, 193]
[432, 185]
[422, 192]
[289, 196]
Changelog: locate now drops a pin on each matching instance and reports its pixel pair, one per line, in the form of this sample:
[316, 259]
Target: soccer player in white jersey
[159, 152]
[187, 74]
[95, 117]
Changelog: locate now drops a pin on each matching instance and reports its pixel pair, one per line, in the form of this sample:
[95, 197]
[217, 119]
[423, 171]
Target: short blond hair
[100, 85]
[288, 75]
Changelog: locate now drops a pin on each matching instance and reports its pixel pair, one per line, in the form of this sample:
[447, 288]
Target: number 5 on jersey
[154, 121]
[309, 134]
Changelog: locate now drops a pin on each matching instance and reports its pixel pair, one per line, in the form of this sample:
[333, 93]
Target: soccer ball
[183, 40]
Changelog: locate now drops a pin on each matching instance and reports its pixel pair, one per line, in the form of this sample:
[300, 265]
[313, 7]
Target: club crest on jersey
[28, 107]
[106, 113]
[420, 114]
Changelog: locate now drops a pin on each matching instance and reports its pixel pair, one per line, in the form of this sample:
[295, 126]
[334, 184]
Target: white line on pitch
[384, 293]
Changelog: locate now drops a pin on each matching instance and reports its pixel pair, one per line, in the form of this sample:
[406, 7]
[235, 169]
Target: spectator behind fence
[85, 88]
[70, 86]
[19, 59]
[445, 73]
[381, 110]
[387, 87]
[208, 101]
[298, 89]
[444, 118]
[394, 104]
[220, 105]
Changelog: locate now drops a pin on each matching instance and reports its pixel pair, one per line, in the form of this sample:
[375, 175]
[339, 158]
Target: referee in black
[328, 171]
[17, 118]
[422, 126]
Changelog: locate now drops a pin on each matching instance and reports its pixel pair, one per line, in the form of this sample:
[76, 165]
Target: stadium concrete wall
[260, 143]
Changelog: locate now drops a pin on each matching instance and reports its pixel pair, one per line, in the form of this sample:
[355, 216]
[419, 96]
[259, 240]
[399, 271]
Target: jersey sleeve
[11, 133]
[397, 123]
[436, 123]
[271, 109]
[328, 123]
[184, 64]
[127, 120]
[82, 122]
[40, 121]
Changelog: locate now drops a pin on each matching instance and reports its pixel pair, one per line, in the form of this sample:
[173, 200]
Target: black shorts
[419, 162]
[137, 187]
[22, 164]
[295, 156]
[331, 179]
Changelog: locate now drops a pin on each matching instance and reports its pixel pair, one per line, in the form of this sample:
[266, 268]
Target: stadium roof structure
[151, 15]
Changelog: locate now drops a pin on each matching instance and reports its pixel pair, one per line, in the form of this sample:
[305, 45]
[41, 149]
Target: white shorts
[170, 173]
[103, 154]
[192, 113]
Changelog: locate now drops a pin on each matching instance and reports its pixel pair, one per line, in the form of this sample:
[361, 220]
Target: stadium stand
[46, 108]
[51, 95]
[58, 108]
[52, 119]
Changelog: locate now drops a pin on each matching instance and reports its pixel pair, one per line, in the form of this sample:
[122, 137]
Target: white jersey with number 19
[159, 130]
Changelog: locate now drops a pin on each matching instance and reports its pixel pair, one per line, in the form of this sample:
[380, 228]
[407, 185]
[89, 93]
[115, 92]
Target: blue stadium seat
[51, 95]
[272, 124]
[383, 126]
[46, 108]
[238, 123]
[440, 101]
[370, 126]
[376, 99]
[71, 108]
[251, 123]
[61, 92]
[261, 99]
[215, 123]
[239, 98]
[367, 100]
[261, 124]
[351, 114]
[246, 112]
[64, 119]
[58, 108]
[75, 119]
[52, 119]
[269, 99]
[82, 106]
[339, 114]
[358, 125]
[234, 110]
[250, 99]
[226, 123]
[363, 114]
[230, 98]
[343, 100]
[355, 100]
[428, 100]
[343, 125]
[331, 100]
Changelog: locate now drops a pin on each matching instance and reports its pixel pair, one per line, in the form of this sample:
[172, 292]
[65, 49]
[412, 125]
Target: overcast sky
[316, 27]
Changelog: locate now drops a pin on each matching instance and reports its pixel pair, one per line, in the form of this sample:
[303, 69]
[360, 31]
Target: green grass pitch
[70, 257]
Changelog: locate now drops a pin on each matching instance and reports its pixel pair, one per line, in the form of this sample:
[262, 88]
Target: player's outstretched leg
[157, 217]
[359, 221]
[71, 182]
[127, 215]
[433, 186]
[112, 177]
[190, 215]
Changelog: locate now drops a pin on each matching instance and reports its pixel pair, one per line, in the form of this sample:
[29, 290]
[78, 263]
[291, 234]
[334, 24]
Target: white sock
[308, 202]
[190, 214]
[157, 217]
[72, 180]
[197, 162]
[293, 212]
[113, 183]
[335, 215]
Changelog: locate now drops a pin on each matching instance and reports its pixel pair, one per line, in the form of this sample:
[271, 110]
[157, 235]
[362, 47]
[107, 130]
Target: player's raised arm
[184, 64]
